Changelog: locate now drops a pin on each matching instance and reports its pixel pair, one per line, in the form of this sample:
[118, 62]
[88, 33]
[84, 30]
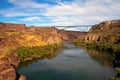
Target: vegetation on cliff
[28, 53]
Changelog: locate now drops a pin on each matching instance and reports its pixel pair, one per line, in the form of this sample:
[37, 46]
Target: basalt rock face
[8, 62]
[107, 26]
[13, 35]
[49, 35]
[107, 31]
[12, 27]
[93, 37]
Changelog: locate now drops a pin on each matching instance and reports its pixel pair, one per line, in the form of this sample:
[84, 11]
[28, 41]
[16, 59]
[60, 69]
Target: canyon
[15, 35]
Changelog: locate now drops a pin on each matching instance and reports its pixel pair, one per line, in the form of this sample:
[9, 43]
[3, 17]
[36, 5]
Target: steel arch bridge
[82, 28]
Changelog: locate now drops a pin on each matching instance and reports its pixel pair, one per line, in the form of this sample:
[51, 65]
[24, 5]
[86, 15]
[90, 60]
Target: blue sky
[58, 12]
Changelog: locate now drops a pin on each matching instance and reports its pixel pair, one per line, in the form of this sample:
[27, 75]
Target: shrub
[35, 51]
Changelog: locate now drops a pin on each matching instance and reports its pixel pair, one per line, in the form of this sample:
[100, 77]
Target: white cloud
[14, 14]
[27, 3]
[31, 19]
[76, 12]
[89, 12]
[89, 8]
[64, 10]
[78, 20]
[24, 8]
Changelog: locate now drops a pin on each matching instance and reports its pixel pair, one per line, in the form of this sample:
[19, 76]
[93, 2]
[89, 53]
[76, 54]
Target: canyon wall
[107, 31]
[14, 35]
[12, 27]
[7, 64]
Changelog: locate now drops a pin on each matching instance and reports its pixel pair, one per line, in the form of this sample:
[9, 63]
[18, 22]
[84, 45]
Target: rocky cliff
[12, 27]
[112, 26]
[14, 35]
[107, 31]
[7, 64]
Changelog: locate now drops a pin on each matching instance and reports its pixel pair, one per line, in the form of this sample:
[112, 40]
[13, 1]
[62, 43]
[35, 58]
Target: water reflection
[71, 63]
[104, 58]
[27, 63]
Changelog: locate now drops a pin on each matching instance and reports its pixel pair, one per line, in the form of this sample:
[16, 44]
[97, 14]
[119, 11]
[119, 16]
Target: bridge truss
[82, 28]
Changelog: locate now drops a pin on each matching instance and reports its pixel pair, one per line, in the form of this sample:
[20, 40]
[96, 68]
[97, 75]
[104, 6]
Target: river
[71, 63]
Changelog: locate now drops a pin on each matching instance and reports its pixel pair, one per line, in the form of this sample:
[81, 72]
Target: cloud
[31, 19]
[27, 3]
[88, 8]
[87, 12]
[78, 20]
[63, 12]
[24, 8]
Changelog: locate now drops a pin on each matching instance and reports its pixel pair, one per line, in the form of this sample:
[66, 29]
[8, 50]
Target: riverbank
[30, 53]
[9, 60]
[112, 49]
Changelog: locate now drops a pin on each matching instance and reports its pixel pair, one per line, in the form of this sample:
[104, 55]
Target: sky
[58, 12]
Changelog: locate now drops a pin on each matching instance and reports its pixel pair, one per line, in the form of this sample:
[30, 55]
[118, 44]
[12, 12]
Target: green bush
[35, 51]
[104, 46]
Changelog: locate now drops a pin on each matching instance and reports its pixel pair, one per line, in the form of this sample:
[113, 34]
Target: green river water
[71, 63]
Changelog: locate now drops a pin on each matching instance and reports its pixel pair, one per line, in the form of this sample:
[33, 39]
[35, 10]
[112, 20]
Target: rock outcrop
[107, 26]
[93, 37]
[12, 27]
[8, 62]
[107, 31]
[14, 35]
[33, 36]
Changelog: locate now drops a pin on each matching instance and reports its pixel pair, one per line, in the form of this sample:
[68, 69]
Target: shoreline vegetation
[30, 53]
[112, 49]
[104, 46]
